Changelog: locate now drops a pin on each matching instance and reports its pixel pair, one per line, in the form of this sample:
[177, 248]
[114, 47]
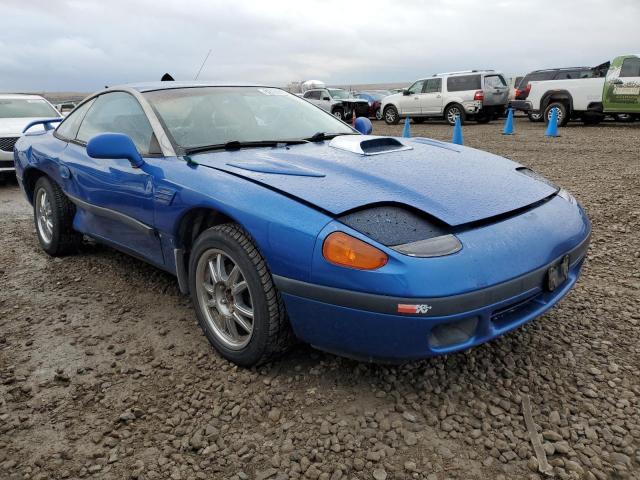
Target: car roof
[26, 96]
[560, 69]
[151, 86]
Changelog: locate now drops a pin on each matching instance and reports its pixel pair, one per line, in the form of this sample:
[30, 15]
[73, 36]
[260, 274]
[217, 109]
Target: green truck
[614, 90]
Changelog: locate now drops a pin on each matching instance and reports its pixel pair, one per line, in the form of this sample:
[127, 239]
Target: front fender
[284, 229]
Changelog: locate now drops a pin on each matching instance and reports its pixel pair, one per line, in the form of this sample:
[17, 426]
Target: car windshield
[26, 108]
[339, 94]
[203, 116]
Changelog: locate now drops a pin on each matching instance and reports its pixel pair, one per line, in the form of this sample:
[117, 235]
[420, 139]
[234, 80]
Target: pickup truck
[616, 92]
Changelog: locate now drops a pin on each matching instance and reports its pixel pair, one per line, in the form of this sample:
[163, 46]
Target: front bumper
[368, 326]
[522, 105]
[6, 162]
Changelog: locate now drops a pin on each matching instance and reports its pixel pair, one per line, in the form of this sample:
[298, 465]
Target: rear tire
[563, 113]
[241, 313]
[594, 119]
[452, 111]
[53, 215]
[391, 116]
[379, 114]
[483, 118]
[535, 116]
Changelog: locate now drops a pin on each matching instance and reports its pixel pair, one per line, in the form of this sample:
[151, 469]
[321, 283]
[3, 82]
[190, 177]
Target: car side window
[118, 112]
[68, 129]
[433, 85]
[463, 83]
[307, 94]
[630, 67]
[416, 87]
[314, 95]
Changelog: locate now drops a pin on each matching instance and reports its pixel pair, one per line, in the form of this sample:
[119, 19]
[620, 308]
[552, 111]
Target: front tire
[338, 113]
[454, 111]
[379, 114]
[563, 113]
[391, 116]
[236, 301]
[53, 215]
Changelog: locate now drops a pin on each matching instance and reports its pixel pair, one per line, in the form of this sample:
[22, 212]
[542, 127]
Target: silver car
[480, 95]
[337, 101]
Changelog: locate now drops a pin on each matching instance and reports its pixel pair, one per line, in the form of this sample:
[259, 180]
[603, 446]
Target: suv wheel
[535, 116]
[483, 117]
[53, 215]
[379, 114]
[236, 302]
[563, 114]
[454, 111]
[391, 116]
[338, 113]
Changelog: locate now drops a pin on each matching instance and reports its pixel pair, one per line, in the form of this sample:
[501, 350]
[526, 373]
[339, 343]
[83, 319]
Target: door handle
[617, 81]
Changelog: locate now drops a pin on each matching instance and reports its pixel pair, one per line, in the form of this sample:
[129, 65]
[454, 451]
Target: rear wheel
[563, 113]
[391, 116]
[535, 116]
[236, 302]
[454, 111]
[593, 119]
[483, 117]
[53, 214]
[379, 114]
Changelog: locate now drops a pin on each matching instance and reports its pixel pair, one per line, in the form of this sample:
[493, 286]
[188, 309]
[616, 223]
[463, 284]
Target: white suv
[476, 94]
[16, 112]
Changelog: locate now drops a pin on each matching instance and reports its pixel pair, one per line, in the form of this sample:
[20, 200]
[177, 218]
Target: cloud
[84, 45]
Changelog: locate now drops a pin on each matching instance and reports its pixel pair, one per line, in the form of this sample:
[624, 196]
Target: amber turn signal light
[347, 251]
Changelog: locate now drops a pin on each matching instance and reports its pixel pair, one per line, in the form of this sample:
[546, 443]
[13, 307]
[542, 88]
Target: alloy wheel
[225, 299]
[452, 114]
[44, 214]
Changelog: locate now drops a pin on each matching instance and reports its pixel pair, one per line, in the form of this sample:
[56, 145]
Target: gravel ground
[105, 373]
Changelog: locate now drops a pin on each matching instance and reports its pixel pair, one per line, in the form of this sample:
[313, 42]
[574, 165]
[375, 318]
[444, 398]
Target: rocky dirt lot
[105, 372]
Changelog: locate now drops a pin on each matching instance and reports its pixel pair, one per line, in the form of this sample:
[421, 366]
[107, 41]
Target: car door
[495, 89]
[115, 200]
[622, 86]
[431, 97]
[409, 102]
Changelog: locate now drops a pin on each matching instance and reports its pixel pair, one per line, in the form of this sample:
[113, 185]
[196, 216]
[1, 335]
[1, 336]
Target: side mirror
[406, 92]
[326, 99]
[363, 125]
[114, 145]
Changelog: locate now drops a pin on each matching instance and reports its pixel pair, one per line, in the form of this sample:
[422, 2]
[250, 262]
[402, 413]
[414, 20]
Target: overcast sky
[82, 45]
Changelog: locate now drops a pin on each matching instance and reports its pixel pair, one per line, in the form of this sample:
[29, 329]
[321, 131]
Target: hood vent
[368, 144]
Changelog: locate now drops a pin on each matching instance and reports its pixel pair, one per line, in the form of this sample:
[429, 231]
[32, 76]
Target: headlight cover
[404, 230]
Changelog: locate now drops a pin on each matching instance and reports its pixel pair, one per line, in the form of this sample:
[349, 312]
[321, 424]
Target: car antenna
[202, 66]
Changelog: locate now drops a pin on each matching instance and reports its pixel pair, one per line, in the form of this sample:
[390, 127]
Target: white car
[475, 94]
[16, 112]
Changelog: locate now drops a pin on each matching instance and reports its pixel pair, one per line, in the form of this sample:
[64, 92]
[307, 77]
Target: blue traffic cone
[406, 132]
[508, 124]
[457, 133]
[552, 128]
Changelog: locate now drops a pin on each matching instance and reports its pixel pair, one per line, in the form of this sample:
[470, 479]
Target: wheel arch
[556, 96]
[29, 179]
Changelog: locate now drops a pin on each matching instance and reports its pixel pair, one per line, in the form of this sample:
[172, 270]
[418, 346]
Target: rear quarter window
[462, 83]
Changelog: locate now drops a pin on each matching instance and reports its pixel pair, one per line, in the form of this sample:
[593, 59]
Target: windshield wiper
[320, 136]
[237, 145]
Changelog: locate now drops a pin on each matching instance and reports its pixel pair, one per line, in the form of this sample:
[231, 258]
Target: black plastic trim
[113, 215]
[440, 306]
[181, 271]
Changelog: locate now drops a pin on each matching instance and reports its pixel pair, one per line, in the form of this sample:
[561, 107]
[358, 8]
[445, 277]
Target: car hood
[14, 126]
[455, 184]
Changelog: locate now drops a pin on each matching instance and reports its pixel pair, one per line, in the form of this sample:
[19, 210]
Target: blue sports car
[283, 222]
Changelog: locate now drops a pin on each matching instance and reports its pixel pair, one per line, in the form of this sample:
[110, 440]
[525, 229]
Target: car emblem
[420, 309]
